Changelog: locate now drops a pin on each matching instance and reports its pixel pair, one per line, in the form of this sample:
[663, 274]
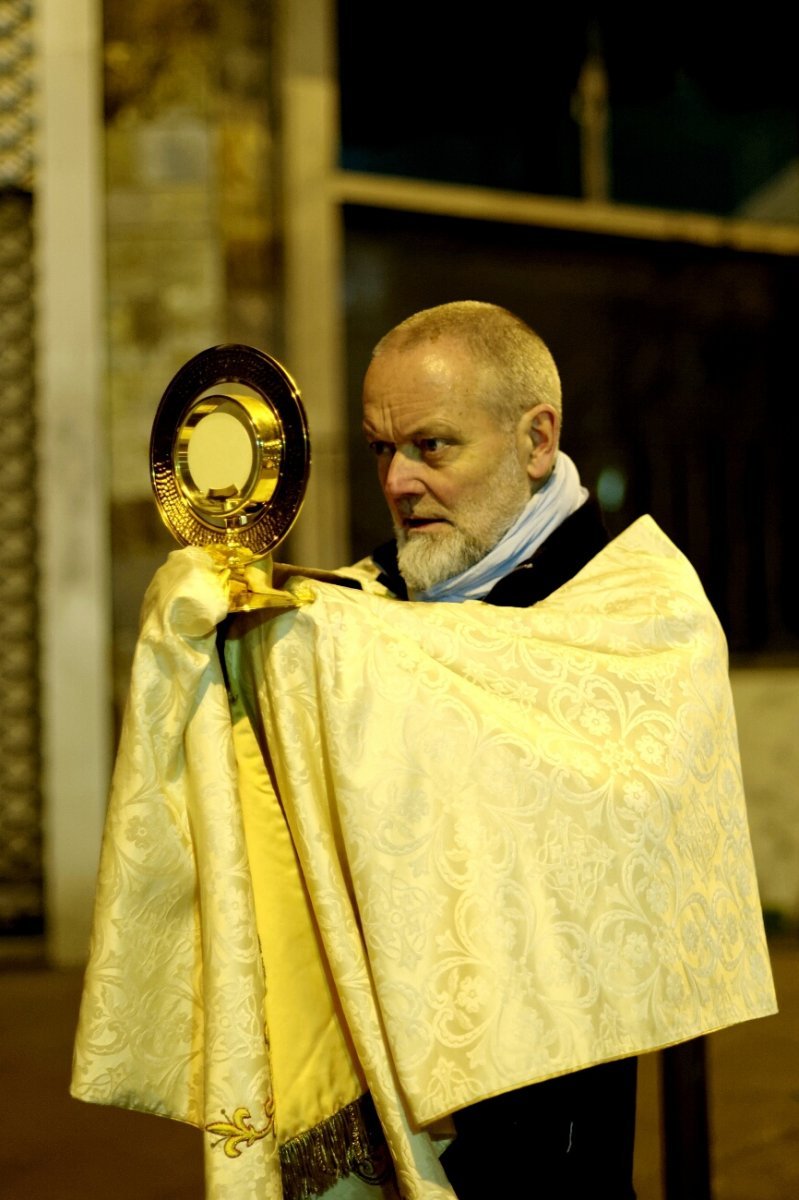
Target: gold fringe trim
[350, 1142]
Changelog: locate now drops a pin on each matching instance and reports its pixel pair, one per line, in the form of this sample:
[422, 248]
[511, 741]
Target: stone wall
[191, 239]
[767, 710]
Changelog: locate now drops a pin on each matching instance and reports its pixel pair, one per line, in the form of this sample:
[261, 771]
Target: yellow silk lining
[314, 1068]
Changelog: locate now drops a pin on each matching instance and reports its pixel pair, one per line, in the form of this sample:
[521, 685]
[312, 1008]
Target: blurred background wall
[301, 174]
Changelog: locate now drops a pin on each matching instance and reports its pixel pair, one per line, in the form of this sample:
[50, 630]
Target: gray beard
[428, 558]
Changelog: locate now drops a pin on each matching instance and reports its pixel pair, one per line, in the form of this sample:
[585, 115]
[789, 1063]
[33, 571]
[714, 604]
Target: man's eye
[379, 449]
[431, 445]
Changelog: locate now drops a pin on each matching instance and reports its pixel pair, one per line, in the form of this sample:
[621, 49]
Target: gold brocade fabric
[523, 831]
[172, 1015]
[171, 1019]
[522, 834]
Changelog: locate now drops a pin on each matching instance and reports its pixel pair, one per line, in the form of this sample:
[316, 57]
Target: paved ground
[54, 1148]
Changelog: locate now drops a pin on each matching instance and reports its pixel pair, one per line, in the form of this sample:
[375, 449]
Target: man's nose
[402, 477]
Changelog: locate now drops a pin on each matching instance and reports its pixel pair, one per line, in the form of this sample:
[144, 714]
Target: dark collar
[385, 557]
[563, 554]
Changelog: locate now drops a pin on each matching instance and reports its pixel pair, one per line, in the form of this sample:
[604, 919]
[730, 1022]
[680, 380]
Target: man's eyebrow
[435, 427]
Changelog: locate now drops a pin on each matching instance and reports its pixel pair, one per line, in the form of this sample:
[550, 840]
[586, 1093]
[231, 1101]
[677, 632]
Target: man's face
[450, 472]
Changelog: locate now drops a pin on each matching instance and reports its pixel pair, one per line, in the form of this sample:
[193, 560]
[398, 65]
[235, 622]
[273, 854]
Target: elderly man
[460, 863]
[462, 410]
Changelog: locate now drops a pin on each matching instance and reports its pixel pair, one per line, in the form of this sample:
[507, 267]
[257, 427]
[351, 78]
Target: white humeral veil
[521, 834]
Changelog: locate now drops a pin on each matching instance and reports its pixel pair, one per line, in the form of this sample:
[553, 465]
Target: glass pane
[695, 114]
[439, 92]
[703, 117]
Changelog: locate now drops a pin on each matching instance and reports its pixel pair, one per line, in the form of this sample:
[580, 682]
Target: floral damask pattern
[522, 832]
[171, 1018]
[538, 813]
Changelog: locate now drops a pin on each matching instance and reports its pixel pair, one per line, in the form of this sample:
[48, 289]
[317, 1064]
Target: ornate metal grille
[16, 89]
[20, 803]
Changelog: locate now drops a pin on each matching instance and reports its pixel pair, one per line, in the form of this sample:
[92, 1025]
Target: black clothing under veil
[569, 1138]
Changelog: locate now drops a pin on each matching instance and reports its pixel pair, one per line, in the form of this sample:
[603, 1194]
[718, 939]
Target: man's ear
[537, 437]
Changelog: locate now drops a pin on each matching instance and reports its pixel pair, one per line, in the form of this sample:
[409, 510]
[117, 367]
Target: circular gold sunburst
[230, 452]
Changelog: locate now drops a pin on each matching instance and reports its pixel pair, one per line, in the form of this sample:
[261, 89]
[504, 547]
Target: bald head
[519, 370]
[462, 411]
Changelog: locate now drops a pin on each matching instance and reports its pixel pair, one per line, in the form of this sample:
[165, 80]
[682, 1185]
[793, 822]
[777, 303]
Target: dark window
[701, 110]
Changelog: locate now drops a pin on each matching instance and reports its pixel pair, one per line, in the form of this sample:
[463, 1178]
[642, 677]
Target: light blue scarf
[561, 495]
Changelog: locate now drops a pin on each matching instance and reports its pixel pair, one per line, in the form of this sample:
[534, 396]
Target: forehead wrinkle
[426, 425]
[412, 414]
